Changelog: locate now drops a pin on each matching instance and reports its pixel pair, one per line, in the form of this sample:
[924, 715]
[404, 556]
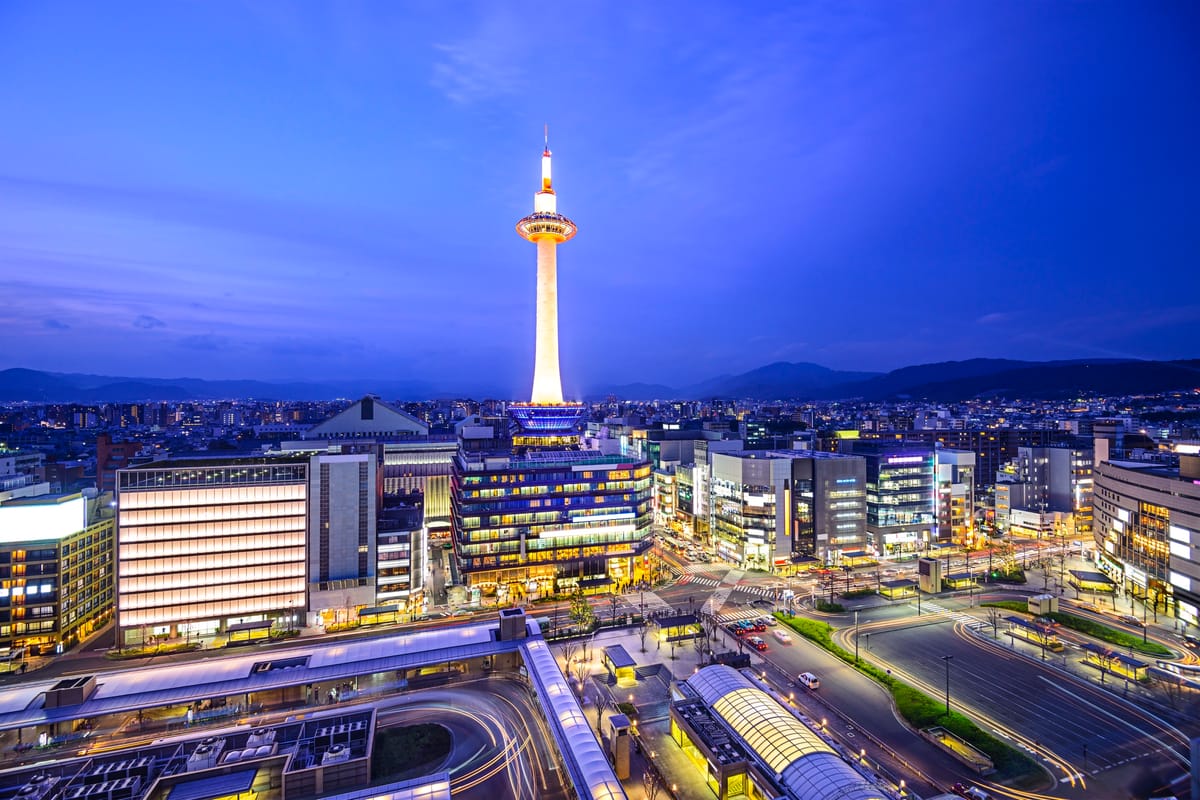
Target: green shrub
[858, 593]
[829, 608]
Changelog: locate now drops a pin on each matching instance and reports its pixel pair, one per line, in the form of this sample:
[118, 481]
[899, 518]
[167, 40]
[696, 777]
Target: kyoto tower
[546, 228]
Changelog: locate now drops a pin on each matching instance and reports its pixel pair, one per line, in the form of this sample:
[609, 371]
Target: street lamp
[947, 660]
[856, 636]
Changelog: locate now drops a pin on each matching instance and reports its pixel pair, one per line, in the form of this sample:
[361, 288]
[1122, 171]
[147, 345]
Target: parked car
[757, 642]
[768, 621]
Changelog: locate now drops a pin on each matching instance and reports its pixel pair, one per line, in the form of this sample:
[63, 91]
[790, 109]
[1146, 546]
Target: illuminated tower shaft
[547, 382]
[546, 228]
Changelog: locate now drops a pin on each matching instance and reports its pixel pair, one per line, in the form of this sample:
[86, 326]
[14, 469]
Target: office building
[1051, 485]
[769, 509]
[901, 495]
[401, 547]
[956, 496]
[56, 571]
[204, 544]
[1147, 530]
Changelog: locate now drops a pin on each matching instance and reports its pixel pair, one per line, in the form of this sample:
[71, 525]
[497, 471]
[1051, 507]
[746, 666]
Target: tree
[700, 642]
[993, 615]
[582, 671]
[652, 784]
[568, 650]
[612, 608]
[581, 610]
[642, 634]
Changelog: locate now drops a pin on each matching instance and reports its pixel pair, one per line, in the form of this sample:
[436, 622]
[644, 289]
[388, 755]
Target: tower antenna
[547, 131]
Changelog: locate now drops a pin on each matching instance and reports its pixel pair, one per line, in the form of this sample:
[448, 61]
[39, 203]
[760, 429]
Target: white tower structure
[546, 228]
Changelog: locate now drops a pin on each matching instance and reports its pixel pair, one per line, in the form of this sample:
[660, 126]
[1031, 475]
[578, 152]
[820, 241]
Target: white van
[809, 680]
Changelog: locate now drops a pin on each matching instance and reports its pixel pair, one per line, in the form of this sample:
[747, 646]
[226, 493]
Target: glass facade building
[551, 520]
[769, 507]
[901, 495]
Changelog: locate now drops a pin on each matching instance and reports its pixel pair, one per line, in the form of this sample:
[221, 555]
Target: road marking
[1109, 714]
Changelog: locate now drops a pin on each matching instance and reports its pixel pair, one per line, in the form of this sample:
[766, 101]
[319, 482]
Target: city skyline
[281, 195]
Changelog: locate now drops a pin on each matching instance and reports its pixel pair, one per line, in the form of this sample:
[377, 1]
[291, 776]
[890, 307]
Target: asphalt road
[1118, 749]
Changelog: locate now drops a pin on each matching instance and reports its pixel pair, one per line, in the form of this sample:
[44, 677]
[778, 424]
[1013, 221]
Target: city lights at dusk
[838, 437]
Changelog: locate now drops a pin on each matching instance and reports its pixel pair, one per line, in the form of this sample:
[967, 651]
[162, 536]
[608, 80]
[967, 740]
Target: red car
[757, 643]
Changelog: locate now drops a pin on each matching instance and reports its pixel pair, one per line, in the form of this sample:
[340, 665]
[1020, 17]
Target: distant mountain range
[946, 381]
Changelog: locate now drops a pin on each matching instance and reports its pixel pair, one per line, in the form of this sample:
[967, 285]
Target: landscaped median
[922, 711]
[1090, 628]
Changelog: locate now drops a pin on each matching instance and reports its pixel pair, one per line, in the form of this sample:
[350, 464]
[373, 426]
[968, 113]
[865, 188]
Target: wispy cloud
[147, 322]
[484, 65]
[995, 318]
[55, 325]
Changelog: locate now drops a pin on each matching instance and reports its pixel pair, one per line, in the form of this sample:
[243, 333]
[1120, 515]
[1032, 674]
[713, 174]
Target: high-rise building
[768, 508]
[955, 496]
[901, 488]
[1044, 488]
[533, 511]
[205, 544]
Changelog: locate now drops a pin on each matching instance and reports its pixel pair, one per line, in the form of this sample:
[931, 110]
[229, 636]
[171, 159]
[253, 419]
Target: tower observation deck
[545, 227]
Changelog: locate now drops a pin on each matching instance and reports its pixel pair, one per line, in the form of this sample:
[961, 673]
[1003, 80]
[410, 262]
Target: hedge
[1094, 629]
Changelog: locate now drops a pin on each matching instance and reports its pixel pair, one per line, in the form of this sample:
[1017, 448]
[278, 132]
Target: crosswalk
[958, 616]
[738, 616]
[708, 583]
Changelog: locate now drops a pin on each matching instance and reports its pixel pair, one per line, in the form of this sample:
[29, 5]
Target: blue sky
[316, 190]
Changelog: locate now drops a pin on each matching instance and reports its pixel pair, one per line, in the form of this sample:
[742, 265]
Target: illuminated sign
[906, 459]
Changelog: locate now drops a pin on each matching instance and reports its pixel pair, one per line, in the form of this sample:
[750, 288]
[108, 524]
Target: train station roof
[801, 761]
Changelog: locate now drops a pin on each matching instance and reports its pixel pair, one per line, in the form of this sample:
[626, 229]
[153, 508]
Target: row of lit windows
[509, 529]
[211, 530]
[212, 476]
[213, 497]
[226, 577]
[169, 515]
[514, 559]
[224, 544]
[183, 609]
[190, 561]
[562, 488]
[587, 501]
[235, 596]
[600, 541]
